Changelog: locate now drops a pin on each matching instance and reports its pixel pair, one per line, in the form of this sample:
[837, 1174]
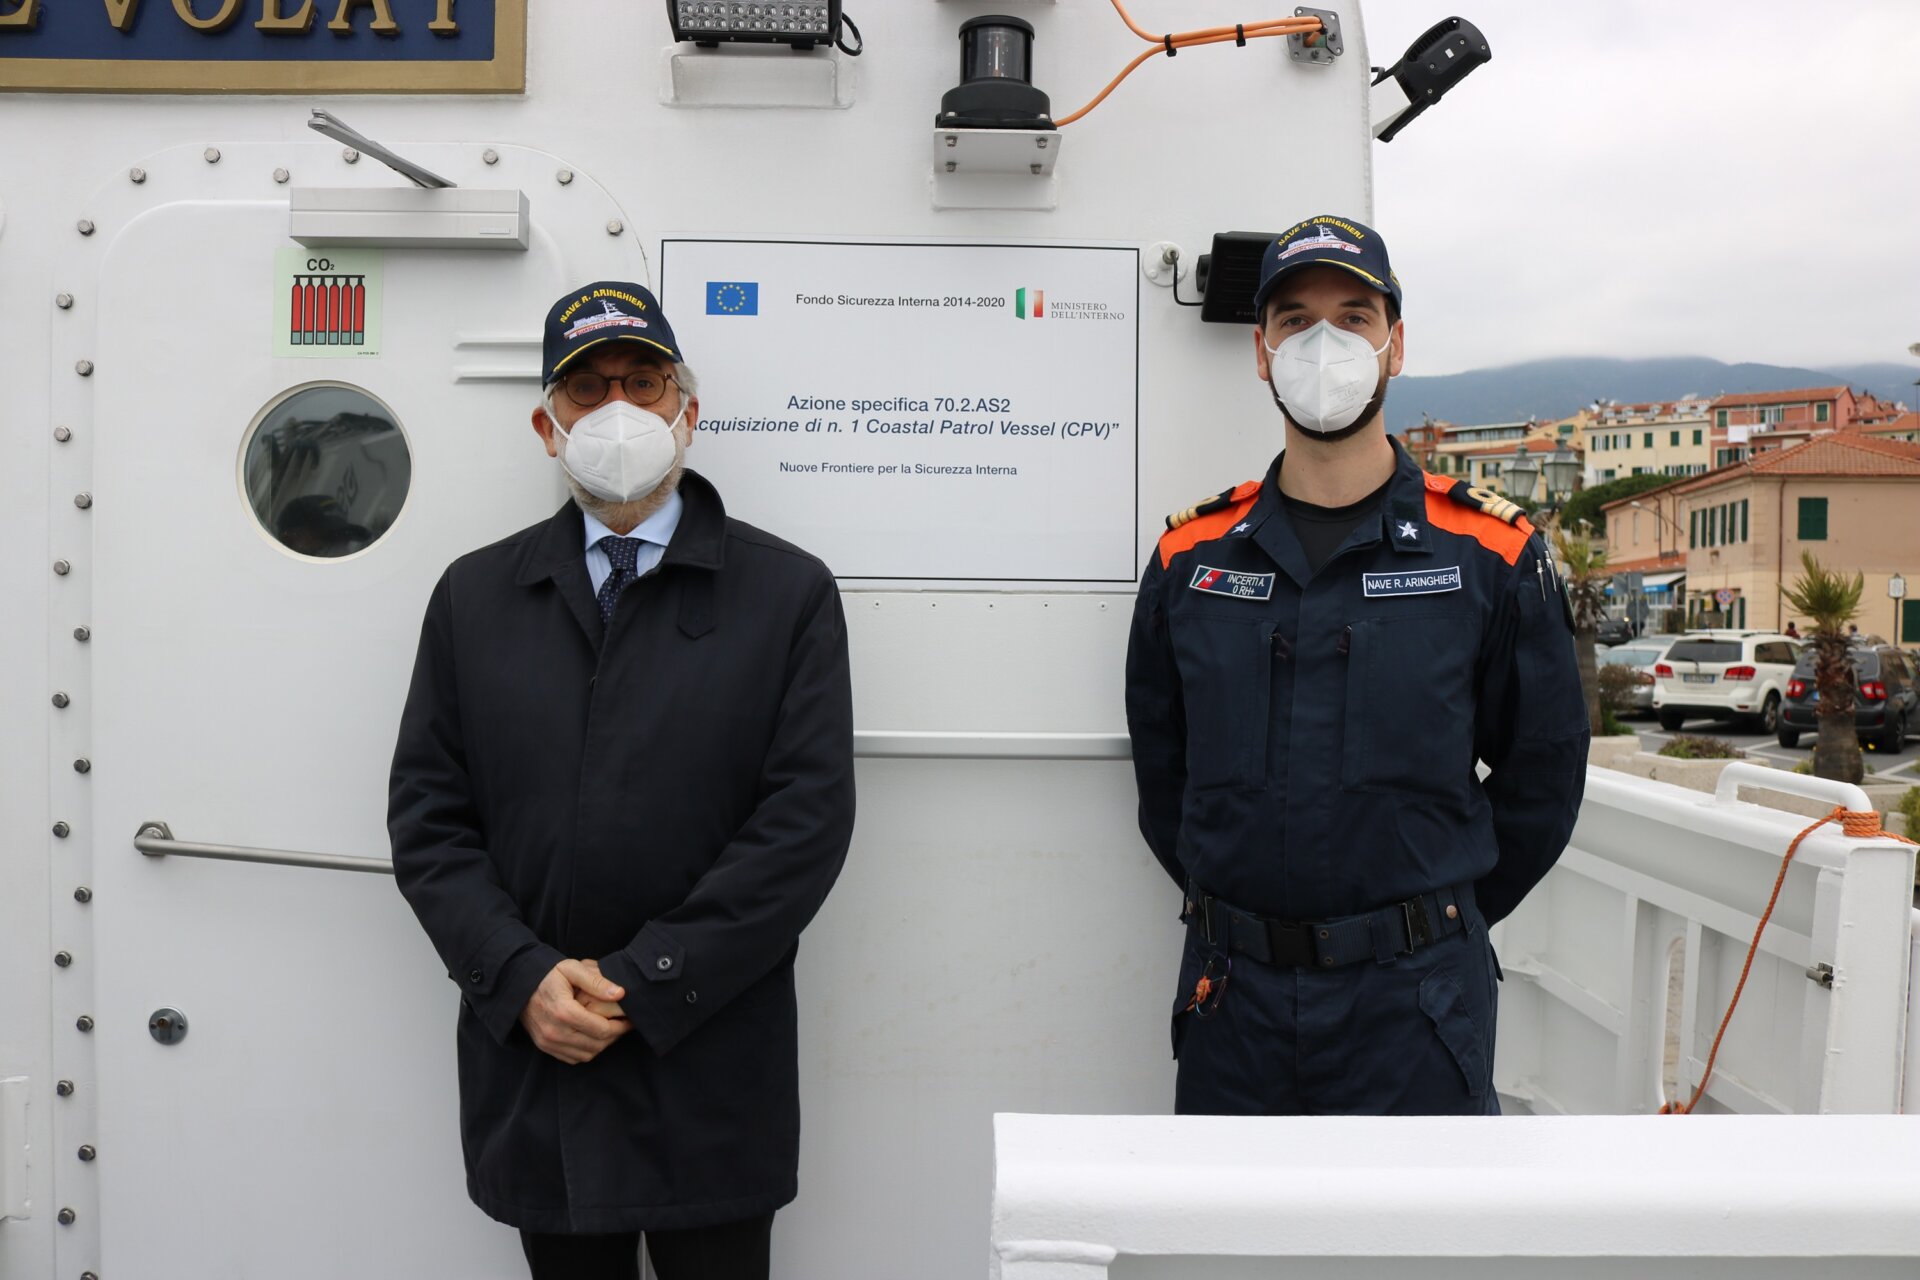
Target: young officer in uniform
[1318, 660]
[623, 785]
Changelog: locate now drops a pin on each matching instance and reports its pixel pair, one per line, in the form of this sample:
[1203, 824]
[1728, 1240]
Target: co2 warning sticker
[327, 302]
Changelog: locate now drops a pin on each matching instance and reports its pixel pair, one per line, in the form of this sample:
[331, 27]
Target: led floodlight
[711, 23]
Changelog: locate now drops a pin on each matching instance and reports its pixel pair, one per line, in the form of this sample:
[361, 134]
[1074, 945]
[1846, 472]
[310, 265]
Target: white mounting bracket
[994, 168]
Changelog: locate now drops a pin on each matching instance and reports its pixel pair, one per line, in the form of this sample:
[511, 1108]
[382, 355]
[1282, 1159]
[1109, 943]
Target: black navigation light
[1447, 54]
[996, 79]
[1228, 276]
[711, 23]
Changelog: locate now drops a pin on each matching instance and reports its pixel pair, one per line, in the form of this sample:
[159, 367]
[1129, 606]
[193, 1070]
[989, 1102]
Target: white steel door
[247, 694]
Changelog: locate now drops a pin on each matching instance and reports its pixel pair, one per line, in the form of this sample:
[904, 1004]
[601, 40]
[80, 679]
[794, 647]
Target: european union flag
[733, 298]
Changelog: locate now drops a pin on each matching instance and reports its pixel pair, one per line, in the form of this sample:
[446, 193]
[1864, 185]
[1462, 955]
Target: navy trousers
[1413, 1036]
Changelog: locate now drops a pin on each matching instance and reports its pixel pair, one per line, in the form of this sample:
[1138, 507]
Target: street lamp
[1664, 519]
[1521, 471]
[1563, 473]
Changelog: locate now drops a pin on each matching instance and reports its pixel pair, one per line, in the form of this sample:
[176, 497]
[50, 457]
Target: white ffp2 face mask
[1325, 376]
[620, 451]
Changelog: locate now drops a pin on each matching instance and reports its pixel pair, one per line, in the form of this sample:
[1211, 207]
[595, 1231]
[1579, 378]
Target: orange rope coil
[1861, 825]
[1170, 42]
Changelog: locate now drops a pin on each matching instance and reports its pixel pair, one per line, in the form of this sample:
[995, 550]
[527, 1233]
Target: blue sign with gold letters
[264, 46]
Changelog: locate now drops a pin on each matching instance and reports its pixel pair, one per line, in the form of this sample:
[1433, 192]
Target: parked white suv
[1728, 675]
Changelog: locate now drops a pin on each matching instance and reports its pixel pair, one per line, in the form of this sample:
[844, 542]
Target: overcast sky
[1729, 178]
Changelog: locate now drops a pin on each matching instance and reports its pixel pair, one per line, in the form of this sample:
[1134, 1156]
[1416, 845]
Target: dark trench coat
[673, 799]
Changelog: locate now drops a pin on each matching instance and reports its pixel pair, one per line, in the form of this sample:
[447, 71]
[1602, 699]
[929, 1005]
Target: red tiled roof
[1905, 422]
[1534, 444]
[1799, 395]
[1666, 561]
[1833, 454]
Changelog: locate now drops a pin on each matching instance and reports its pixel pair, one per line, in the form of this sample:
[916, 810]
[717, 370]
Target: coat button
[664, 963]
[475, 976]
[693, 997]
[1453, 913]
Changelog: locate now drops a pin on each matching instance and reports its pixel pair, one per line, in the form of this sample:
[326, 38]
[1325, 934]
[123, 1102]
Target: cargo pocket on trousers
[1443, 1002]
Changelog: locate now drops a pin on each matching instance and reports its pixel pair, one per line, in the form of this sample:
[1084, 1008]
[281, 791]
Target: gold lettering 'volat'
[443, 23]
[383, 23]
[228, 15]
[24, 18]
[120, 13]
[272, 20]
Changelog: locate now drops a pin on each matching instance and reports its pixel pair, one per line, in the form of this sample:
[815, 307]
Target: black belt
[1396, 930]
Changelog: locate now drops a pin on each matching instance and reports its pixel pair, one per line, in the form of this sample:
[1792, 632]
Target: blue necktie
[621, 553]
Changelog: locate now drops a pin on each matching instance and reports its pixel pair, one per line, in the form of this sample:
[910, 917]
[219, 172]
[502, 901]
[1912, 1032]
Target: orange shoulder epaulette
[1205, 520]
[1495, 522]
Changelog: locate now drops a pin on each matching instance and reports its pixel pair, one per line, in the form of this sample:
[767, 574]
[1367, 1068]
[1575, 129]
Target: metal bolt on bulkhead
[83, 895]
[64, 1088]
[63, 958]
[83, 634]
[87, 1152]
[84, 226]
[67, 1217]
[83, 500]
[211, 155]
[83, 1023]
[62, 700]
[63, 434]
[64, 301]
[83, 367]
[62, 830]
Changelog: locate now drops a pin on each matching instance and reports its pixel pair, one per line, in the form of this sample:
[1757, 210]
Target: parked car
[1725, 675]
[1886, 698]
[1613, 631]
[1641, 658]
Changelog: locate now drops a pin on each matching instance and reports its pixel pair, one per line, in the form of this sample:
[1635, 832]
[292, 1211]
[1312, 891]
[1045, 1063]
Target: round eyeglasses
[643, 386]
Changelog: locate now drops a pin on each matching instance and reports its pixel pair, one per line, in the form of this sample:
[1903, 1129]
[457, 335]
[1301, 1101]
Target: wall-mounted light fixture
[996, 79]
[711, 23]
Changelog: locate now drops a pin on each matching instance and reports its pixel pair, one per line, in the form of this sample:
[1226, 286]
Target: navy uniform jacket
[674, 799]
[1305, 745]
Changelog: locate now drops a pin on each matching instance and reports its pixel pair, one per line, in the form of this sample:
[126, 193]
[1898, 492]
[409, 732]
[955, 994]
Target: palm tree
[1586, 563]
[1831, 600]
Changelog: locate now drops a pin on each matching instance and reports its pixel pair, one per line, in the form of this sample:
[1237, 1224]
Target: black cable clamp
[1168, 40]
[1240, 34]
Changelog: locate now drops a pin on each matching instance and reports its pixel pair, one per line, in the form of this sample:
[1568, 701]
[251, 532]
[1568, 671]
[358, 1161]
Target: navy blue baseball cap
[1327, 241]
[604, 311]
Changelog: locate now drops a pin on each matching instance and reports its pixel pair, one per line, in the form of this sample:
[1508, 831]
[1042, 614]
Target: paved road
[1901, 767]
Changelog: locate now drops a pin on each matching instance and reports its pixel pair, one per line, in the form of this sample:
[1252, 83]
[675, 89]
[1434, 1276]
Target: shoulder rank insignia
[1218, 502]
[1486, 501]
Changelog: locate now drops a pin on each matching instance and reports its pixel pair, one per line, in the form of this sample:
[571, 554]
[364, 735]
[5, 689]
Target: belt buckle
[1406, 918]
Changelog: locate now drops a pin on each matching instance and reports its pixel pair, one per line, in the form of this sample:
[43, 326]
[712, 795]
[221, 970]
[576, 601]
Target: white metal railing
[1193, 1196]
[1657, 874]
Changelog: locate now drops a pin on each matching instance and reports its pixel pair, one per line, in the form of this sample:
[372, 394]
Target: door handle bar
[155, 839]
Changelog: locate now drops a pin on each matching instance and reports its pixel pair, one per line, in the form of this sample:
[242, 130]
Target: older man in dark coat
[623, 786]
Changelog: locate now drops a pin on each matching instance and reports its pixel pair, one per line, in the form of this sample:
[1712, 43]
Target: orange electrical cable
[1168, 43]
[1862, 825]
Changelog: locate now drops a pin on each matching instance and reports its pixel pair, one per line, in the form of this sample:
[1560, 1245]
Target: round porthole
[325, 469]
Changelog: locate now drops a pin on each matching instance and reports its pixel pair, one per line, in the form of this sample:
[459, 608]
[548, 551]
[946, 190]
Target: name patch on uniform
[1225, 582]
[1424, 582]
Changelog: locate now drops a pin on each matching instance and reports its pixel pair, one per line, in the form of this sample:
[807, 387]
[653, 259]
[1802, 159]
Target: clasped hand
[575, 1012]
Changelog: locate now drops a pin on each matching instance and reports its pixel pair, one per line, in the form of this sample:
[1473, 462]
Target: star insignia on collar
[1242, 527]
[1409, 530]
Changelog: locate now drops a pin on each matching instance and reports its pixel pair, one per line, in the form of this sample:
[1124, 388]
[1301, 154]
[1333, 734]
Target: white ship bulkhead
[1000, 941]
